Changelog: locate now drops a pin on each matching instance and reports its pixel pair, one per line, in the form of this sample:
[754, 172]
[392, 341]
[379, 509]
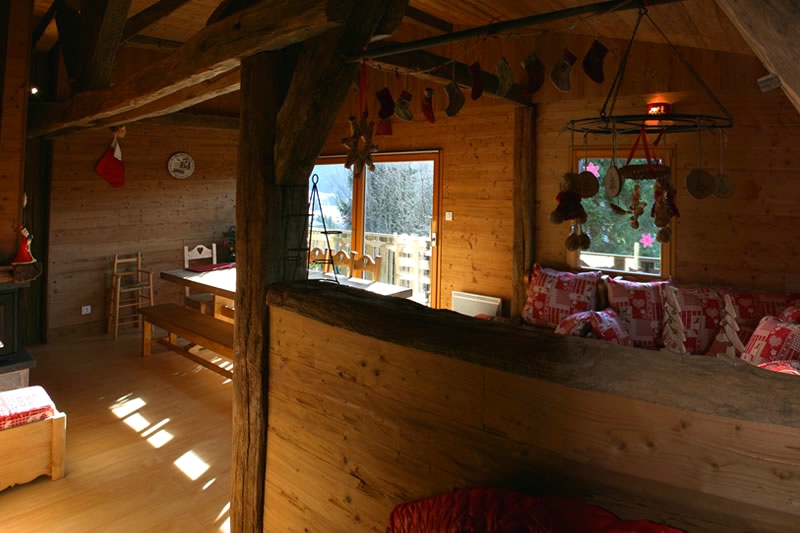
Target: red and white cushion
[639, 305]
[700, 314]
[773, 340]
[721, 342]
[575, 325]
[554, 295]
[751, 307]
[784, 367]
[608, 326]
[25, 405]
[791, 313]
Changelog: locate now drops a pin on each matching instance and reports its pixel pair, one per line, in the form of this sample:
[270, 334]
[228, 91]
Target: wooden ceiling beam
[223, 84]
[68, 21]
[214, 50]
[183, 119]
[426, 20]
[149, 16]
[152, 43]
[102, 24]
[322, 77]
[45, 21]
[423, 65]
[772, 29]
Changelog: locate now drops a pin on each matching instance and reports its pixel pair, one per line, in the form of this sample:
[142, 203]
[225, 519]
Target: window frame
[359, 191]
[667, 249]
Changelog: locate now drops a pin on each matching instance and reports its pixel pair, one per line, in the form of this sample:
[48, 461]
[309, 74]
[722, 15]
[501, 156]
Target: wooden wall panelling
[90, 221]
[393, 424]
[13, 120]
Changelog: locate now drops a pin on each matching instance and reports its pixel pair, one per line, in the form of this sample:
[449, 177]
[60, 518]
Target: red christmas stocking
[477, 80]
[427, 105]
[535, 70]
[111, 166]
[387, 103]
[593, 62]
[560, 73]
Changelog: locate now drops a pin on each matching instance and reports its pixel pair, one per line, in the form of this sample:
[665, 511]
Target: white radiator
[475, 304]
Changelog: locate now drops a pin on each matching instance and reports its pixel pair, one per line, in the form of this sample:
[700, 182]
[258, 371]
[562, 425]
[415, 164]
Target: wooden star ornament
[359, 145]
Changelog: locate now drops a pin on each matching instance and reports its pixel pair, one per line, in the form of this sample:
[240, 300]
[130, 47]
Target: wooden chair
[343, 259]
[131, 289]
[202, 301]
[365, 263]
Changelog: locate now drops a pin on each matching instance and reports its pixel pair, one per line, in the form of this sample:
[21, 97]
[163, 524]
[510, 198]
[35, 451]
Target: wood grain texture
[13, 120]
[320, 84]
[149, 16]
[213, 51]
[102, 24]
[524, 203]
[700, 384]
[259, 248]
[770, 28]
[90, 221]
[392, 424]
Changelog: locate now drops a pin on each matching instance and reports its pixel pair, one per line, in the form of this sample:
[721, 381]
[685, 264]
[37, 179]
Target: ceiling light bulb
[34, 90]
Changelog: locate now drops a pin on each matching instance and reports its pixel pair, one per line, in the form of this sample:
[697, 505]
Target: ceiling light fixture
[668, 122]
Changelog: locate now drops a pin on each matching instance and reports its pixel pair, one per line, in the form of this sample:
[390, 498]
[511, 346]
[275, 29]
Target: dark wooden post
[258, 249]
[524, 203]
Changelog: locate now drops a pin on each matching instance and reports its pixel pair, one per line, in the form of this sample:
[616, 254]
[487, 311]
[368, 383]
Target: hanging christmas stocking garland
[505, 77]
[561, 70]
[593, 62]
[477, 80]
[387, 103]
[534, 68]
[427, 105]
[402, 109]
[455, 99]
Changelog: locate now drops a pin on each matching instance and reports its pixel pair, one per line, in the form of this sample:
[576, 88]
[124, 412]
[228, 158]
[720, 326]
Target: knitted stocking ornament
[477, 80]
[593, 62]
[402, 109]
[560, 73]
[535, 69]
[505, 77]
[387, 103]
[455, 99]
[427, 105]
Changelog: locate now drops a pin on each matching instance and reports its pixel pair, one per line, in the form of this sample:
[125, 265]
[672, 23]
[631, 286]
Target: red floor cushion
[488, 510]
[23, 406]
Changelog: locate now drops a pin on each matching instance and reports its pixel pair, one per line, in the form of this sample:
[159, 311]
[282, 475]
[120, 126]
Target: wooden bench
[197, 328]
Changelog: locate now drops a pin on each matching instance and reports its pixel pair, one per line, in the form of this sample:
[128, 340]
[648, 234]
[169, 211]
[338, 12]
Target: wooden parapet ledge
[689, 382]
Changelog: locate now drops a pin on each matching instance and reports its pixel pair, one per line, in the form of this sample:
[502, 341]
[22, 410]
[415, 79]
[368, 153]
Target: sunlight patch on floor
[155, 427]
[126, 407]
[136, 422]
[225, 527]
[160, 438]
[209, 483]
[191, 465]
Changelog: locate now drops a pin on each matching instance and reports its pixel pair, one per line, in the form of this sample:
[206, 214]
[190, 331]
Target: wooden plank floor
[130, 422]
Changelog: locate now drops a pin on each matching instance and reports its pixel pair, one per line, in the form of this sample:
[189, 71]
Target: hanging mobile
[699, 182]
[588, 185]
[612, 180]
[723, 184]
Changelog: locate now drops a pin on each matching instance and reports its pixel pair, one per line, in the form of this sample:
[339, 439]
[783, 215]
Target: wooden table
[222, 284]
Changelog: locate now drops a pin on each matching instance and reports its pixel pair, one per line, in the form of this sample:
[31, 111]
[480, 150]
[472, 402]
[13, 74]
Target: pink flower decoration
[594, 169]
[647, 240]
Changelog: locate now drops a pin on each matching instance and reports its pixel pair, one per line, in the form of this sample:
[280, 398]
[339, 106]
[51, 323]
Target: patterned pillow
[720, 343]
[701, 310]
[25, 405]
[610, 327]
[773, 340]
[791, 313]
[639, 305]
[751, 307]
[784, 367]
[575, 325]
[554, 295]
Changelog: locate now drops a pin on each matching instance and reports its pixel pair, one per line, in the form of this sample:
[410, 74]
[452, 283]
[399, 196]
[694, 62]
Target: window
[616, 245]
[391, 212]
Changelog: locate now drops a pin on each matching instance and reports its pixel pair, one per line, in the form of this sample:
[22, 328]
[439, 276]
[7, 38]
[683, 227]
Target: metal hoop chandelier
[609, 124]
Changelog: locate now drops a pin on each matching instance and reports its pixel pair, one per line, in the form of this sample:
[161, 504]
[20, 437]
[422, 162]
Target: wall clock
[180, 165]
